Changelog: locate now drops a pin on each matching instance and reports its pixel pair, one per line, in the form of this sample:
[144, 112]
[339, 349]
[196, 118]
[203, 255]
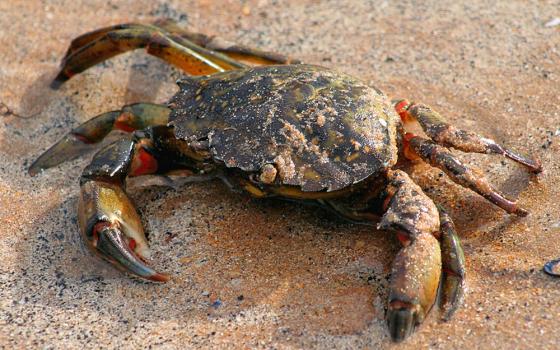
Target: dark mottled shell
[321, 129]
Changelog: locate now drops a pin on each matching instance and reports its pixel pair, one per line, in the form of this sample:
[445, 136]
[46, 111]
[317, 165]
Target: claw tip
[159, 277]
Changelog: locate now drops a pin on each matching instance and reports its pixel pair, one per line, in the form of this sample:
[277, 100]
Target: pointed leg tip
[60, 79]
[33, 172]
[537, 168]
[56, 84]
[521, 212]
[38, 166]
[449, 309]
[534, 165]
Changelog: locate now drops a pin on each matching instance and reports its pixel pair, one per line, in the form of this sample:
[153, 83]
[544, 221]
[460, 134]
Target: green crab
[275, 127]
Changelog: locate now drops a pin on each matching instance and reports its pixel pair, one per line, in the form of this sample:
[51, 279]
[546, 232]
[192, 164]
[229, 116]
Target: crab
[275, 127]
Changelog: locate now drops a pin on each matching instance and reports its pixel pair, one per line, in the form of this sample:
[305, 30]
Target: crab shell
[320, 129]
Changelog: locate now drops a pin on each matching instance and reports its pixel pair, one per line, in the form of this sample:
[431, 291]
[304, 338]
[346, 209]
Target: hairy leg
[445, 134]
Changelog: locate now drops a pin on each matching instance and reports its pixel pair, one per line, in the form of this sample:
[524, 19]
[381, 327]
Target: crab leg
[437, 128]
[86, 38]
[417, 267]
[453, 262]
[100, 45]
[132, 117]
[471, 178]
[235, 51]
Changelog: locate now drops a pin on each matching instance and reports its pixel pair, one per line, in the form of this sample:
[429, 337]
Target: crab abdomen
[320, 129]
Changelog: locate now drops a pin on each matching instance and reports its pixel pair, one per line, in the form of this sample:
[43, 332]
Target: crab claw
[414, 284]
[111, 228]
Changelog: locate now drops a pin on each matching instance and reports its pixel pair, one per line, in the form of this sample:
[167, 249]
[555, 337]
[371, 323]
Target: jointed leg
[443, 133]
[196, 54]
[235, 51]
[469, 177]
[105, 43]
[132, 117]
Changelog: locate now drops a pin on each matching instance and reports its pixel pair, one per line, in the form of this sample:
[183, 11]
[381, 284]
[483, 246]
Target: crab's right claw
[111, 228]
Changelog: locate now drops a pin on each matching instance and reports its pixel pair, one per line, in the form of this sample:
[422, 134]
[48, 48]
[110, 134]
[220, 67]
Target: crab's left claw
[111, 228]
[417, 268]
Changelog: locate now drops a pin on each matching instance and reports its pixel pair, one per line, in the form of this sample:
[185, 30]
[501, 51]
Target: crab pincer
[417, 268]
[108, 220]
[112, 229]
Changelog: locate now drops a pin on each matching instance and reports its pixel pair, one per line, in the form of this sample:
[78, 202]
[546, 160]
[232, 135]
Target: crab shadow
[229, 257]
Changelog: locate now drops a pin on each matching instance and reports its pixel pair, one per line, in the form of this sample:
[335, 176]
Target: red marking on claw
[386, 203]
[408, 152]
[408, 136]
[143, 163]
[403, 238]
[132, 244]
[100, 226]
[402, 109]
